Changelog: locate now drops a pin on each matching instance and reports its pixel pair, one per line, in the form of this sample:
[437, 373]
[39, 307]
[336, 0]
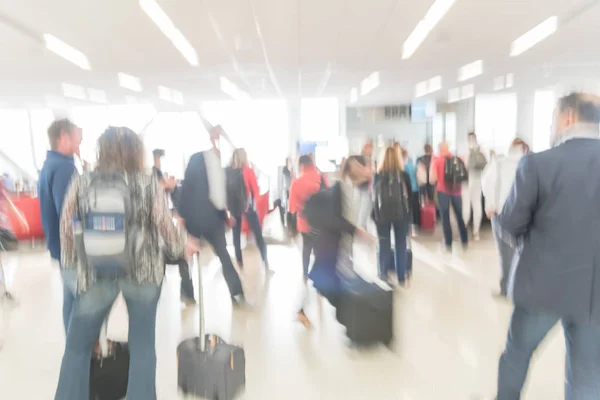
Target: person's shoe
[188, 301]
[476, 237]
[239, 301]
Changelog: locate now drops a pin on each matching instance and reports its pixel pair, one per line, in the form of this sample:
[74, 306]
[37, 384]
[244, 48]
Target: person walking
[55, 176]
[391, 210]
[448, 195]
[552, 211]
[497, 179]
[249, 186]
[411, 170]
[427, 189]
[472, 200]
[120, 153]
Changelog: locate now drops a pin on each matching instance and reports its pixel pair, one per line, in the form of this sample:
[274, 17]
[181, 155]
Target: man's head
[428, 149]
[576, 108]
[367, 149]
[305, 163]
[158, 154]
[65, 137]
[472, 139]
[443, 149]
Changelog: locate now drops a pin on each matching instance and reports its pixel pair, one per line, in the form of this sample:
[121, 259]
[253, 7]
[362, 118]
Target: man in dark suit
[553, 211]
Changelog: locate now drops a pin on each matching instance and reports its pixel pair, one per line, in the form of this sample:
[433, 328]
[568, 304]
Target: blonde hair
[239, 158]
[120, 149]
[391, 162]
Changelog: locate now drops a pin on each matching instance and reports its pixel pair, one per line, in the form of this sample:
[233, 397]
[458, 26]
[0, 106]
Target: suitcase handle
[202, 328]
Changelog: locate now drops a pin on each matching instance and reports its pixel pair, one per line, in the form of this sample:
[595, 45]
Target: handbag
[8, 240]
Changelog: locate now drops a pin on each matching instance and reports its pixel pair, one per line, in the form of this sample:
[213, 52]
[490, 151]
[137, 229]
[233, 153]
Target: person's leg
[69, 279]
[465, 213]
[583, 361]
[254, 223]
[141, 301]
[527, 329]
[385, 248]
[400, 234]
[416, 209]
[89, 312]
[236, 231]
[476, 201]
[462, 228]
[216, 238]
[187, 285]
[444, 206]
[307, 248]
[506, 254]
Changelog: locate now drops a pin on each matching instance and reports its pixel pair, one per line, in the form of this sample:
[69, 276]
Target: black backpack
[391, 201]
[455, 171]
[237, 197]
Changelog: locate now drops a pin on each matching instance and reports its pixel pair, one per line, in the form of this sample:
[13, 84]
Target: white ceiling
[302, 40]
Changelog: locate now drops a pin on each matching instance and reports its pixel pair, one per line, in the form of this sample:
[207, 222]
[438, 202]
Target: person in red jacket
[240, 160]
[308, 183]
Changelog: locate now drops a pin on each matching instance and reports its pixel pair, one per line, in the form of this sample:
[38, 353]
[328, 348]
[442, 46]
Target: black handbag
[8, 240]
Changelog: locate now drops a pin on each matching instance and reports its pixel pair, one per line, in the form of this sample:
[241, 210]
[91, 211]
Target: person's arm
[68, 253]
[60, 183]
[161, 216]
[520, 206]
[489, 188]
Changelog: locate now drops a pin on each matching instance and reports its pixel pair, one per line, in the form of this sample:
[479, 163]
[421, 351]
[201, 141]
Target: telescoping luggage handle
[202, 329]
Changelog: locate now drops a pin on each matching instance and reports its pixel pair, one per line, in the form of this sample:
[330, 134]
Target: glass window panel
[543, 114]
[93, 120]
[16, 140]
[40, 122]
[320, 119]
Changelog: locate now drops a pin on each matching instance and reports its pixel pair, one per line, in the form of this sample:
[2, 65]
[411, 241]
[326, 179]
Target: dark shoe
[239, 301]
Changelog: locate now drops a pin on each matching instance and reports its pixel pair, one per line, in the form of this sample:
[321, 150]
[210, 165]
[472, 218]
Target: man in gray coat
[553, 211]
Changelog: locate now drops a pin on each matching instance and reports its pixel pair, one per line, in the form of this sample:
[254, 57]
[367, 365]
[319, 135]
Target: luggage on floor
[109, 372]
[366, 310]
[207, 366]
[428, 217]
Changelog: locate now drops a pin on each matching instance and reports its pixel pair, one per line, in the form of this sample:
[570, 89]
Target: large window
[16, 139]
[496, 120]
[543, 108]
[320, 119]
[41, 119]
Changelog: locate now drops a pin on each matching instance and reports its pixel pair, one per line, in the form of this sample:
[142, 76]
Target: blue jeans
[90, 310]
[444, 201]
[527, 330]
[254, 224]
[385, 247]
[69, 279]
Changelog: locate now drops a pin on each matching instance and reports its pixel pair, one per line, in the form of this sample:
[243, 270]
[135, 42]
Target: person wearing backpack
[111, 228]
[476, 163]
[448, 172]
[242, 191]
[392, 210]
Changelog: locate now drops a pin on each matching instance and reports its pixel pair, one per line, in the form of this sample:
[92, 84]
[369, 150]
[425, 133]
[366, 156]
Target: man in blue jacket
[553, 212]
[55, 177]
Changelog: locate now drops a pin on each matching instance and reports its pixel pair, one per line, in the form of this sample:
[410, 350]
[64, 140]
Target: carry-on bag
[427, 217]
[209, 367]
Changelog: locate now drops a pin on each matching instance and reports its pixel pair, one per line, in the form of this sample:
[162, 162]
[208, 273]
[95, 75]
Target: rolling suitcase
[109, 373]
[428, 217]
[209, 367]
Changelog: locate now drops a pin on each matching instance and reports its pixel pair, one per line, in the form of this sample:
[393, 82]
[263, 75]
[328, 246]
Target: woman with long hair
[239, 161]
[392, 210]
[120, 153]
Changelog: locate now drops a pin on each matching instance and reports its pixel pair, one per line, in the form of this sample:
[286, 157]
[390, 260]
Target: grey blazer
[553, 210]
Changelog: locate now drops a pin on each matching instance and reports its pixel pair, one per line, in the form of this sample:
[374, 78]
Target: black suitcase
[109, 375]
[366, 310]
[210, 368]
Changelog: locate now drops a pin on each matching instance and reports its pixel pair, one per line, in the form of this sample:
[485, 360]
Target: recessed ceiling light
[97, 96]
[470, 70]
[369, 83]
[168, 28]
[453, 95]
[131, 100]
[67, 52]
[232, 90]
[499, 83]
[435, 13]
[434, 84]
[534, 36]
[510, 80]
[74, 91]
[467, 91]
[353, 95]
[130, 82]
[421, 89]
[170, 95]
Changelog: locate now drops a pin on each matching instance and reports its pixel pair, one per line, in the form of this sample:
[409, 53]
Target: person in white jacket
[497, 180]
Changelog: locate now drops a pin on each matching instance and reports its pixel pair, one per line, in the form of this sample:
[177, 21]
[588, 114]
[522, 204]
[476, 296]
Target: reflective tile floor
[449, 328]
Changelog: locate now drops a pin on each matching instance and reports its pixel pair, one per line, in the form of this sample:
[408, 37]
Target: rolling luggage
[109, 372]
[207, 366]
[366, 310]
[428, 217]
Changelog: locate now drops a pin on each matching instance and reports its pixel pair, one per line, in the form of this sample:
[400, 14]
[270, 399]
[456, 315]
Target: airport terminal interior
[285, 78]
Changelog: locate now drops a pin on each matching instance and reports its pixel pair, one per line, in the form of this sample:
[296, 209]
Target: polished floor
[450, 332]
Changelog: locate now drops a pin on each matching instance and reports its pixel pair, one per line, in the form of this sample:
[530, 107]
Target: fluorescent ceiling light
[433, 16]
[130, 82]
[97, 96]
[453, 95]
[369, 83]
[467, 91]
[131, 100]
[510, 80]
[168, 28]
[470, 71]
[353, 95]
[534, 36]
[499, 83]
[232, 90]
[421, 89]
[74, 91]
[434, 84]
[170, 95]
[67, 52]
